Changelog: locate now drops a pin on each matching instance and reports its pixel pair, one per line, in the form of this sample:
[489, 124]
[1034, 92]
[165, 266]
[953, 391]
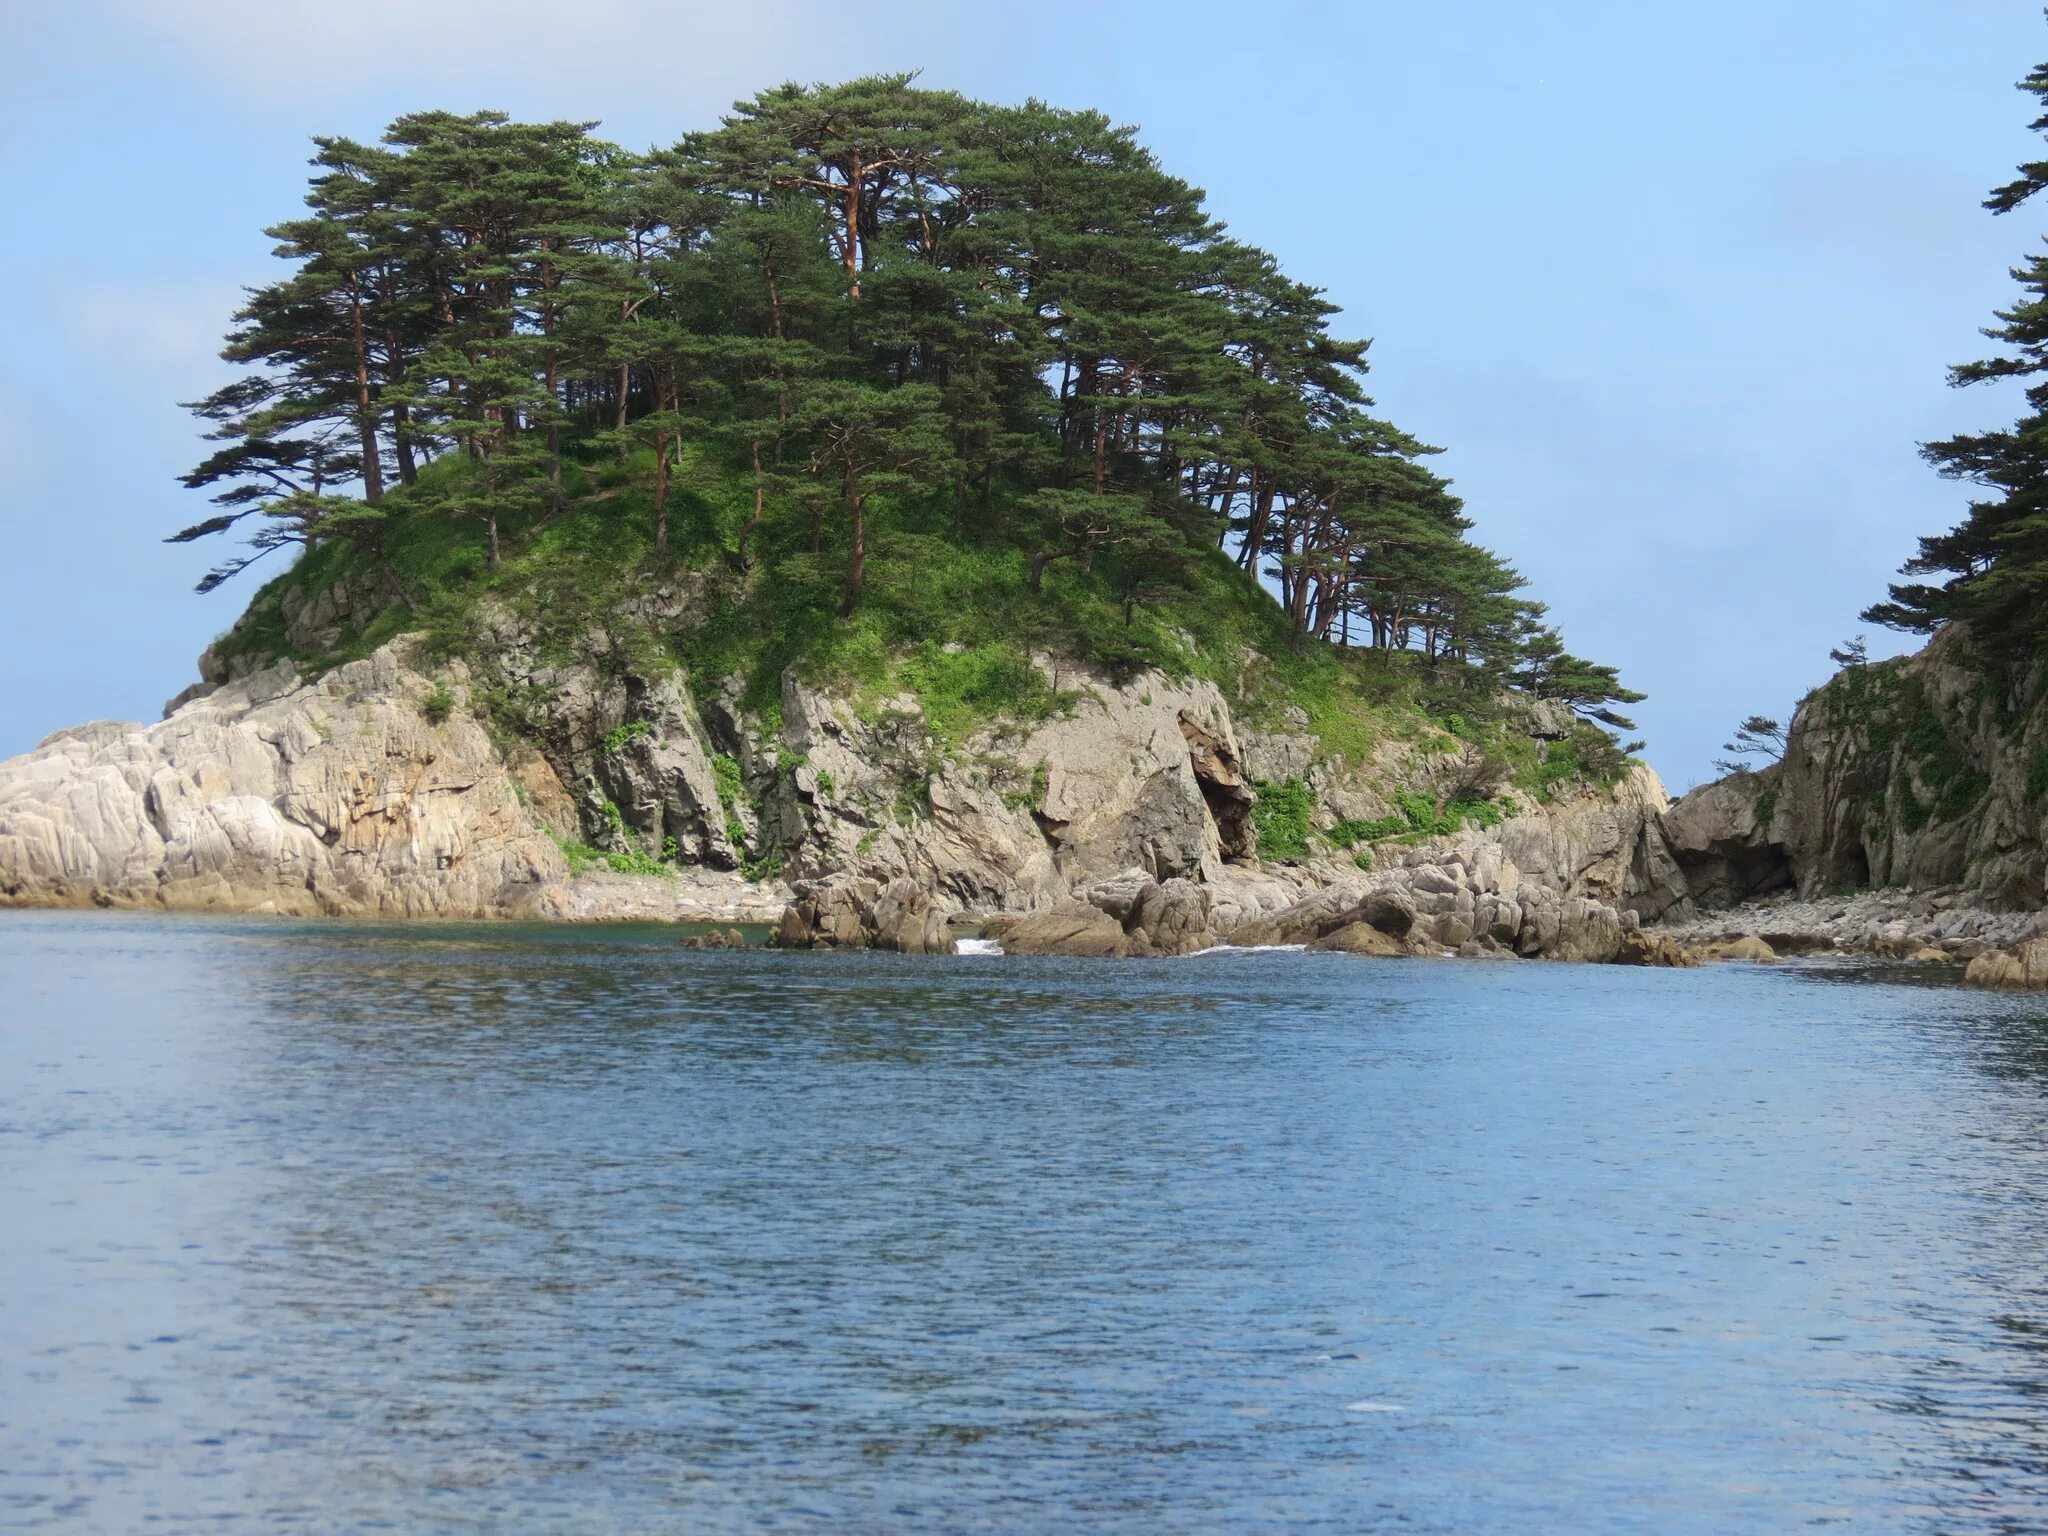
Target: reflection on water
[355, 1227]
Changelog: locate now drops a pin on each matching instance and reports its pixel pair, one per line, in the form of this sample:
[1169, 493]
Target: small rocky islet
[823, 524]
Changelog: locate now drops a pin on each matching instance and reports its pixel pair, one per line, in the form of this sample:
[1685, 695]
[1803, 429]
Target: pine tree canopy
[1990, 572]
[850, 323]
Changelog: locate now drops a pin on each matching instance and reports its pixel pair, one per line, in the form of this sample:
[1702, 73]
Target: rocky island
[887, 516]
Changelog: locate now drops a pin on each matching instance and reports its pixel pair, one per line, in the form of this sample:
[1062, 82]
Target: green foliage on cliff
[1281, 815]
[1929, 774]
[1284, 812]
[1424, 816]
[1353, 830]
[1766, 808]
[961, 687]
[727, 774]
[631, 860]
[621, 736]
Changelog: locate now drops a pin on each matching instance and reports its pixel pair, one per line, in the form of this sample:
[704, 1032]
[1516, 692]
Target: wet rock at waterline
[864, 914]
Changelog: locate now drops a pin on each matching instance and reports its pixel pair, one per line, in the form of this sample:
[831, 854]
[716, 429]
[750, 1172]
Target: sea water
[351, 1227]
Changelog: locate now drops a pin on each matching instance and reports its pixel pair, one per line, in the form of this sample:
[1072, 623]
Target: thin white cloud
[678, 60]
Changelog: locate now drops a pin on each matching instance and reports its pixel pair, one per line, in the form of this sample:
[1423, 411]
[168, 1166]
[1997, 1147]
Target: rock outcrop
[1944, 925]
[1073, 928]
[1608, 848]
[1126, 915]
[1725, 852]
[270, 794]
[1123, 819]
[2024, 967]
[1924, 773]
[1654, 949]
[1447, 901]
[861, 914]
[731, 938]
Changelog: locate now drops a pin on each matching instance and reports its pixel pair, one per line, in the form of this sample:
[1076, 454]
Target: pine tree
[1990, 572]
[871, 442]
[1549, 671]
[1759, 736]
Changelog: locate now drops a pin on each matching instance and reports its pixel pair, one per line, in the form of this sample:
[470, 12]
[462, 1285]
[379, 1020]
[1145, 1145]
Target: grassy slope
[945, 618]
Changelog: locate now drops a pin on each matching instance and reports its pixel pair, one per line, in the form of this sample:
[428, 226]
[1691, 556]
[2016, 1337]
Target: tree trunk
[401, 434]
[760, 495]
[397, 583]
[852, 250]
[860, 555]
[401, 417]
[774, 298]
[1225, 500]
[366, 413]
[619, 416]
[661, 495]
[554, 371]
[1255, 528]
[1066, 405]
[491, 527]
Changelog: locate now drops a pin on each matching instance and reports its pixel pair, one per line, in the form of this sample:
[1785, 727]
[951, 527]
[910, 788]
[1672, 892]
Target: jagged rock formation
[1134, 775]
[1130, 914]
[1724, 851]
[859, 914]
[1927, 773]
[1607, 848]
[272, 795]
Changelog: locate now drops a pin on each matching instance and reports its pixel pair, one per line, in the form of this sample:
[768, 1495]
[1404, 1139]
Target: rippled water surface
[343, 1227]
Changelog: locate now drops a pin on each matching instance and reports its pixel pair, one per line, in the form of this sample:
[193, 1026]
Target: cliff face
[1928, 772]
[538, 785]
[273, 795]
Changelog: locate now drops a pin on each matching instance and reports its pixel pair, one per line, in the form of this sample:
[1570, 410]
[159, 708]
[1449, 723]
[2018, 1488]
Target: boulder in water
[1072, 928]
[2023, 968]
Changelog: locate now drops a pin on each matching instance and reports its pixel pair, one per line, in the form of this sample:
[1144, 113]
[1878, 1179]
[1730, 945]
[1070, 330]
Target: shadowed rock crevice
[1721, 838]
[1225, 790]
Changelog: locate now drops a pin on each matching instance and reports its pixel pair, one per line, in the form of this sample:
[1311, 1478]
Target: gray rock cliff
[270, 794]
[1925, 773]
[398, 786]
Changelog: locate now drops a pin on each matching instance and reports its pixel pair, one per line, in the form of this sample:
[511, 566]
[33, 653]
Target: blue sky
[1675, 285]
